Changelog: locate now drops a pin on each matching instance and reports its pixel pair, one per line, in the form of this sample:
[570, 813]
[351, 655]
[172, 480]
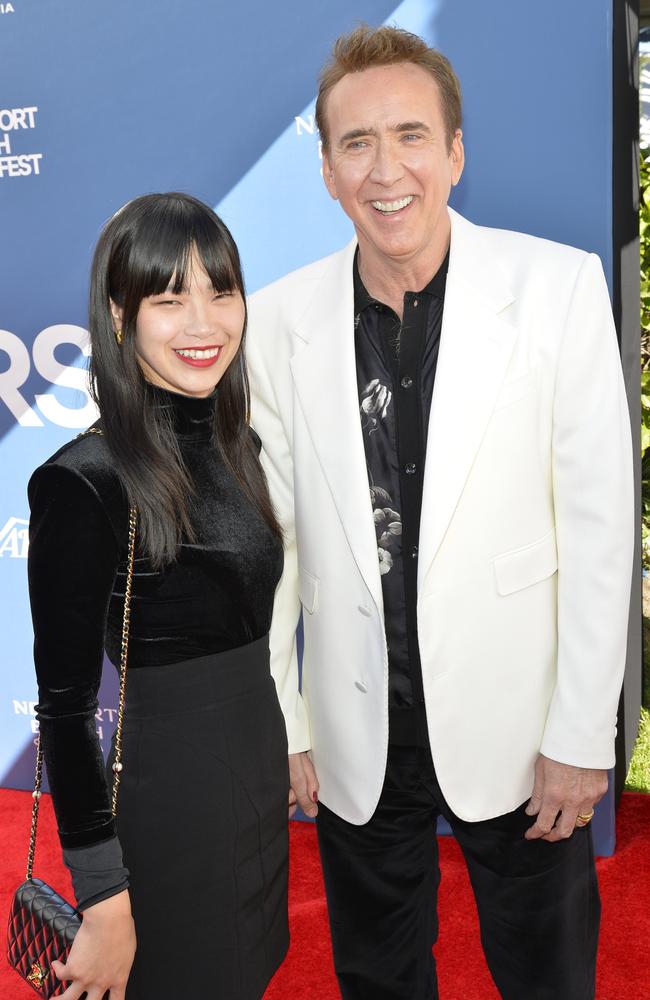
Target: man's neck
[388, 279]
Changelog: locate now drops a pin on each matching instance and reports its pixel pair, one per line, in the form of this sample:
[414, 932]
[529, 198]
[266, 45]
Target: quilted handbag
[42, 925]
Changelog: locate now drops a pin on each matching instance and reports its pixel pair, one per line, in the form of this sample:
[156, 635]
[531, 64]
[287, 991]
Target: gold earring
[119, 336]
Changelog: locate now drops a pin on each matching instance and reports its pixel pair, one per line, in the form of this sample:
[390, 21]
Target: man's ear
[116, 313]
[457, 156]
[328, 176]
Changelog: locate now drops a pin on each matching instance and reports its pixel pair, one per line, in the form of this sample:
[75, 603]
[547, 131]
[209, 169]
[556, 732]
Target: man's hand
[303, 789]
[561, 792]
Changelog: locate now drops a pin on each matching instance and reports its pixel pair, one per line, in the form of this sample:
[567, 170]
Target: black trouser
[538, 903]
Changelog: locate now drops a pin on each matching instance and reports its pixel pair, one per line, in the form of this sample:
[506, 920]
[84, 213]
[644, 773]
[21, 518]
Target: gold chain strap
[117, 765]
[126, 624]
[36, 795]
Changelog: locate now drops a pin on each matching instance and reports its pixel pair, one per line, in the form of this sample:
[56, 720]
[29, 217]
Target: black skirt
[202, 819]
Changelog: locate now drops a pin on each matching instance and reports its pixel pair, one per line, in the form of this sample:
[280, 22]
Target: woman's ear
[116, 313]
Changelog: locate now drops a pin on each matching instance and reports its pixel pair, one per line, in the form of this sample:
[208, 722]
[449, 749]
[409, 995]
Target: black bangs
[218, 254]
[155, 250]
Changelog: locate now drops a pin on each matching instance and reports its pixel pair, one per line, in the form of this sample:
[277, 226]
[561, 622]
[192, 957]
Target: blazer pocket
[514, 390]
[307, 590]
[527, 565]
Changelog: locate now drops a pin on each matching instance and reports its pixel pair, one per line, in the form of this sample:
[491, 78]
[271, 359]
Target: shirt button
[415, 303]
[406, 382]
[414, 552]
[410, 468]
[364, 610]
[360, 686]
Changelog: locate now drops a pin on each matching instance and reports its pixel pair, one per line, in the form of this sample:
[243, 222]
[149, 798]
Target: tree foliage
[644, 225]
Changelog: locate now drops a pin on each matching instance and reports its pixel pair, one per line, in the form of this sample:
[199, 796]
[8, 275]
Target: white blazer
[526, 534]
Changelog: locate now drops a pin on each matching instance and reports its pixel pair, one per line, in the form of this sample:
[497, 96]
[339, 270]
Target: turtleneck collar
[192, 416]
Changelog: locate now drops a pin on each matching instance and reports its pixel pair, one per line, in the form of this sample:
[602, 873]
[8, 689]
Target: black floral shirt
[396, 368]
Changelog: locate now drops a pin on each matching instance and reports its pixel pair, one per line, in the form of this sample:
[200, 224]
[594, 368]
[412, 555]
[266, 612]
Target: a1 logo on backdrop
[43, 356]
[14, 538]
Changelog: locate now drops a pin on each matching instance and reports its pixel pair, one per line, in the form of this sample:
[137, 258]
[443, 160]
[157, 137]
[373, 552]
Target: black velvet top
[217, 595]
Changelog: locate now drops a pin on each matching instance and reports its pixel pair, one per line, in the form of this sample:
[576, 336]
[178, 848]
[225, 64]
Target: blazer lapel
[324, 374]
[475, 348]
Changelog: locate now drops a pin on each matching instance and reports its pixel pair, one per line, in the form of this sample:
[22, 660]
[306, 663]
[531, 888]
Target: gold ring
[583, 818]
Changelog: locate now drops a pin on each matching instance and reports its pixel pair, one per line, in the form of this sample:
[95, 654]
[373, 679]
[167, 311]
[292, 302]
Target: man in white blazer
[447, 443]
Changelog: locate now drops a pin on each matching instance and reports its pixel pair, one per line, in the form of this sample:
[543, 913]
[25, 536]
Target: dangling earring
[119, 336]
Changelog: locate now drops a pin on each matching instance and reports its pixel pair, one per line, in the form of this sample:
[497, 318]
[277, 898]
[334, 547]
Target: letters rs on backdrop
[29, 411]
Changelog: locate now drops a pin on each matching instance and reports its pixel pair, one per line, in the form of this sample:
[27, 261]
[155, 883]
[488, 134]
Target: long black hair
[146, 247]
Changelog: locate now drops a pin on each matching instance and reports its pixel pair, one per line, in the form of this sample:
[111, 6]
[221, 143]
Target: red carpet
[307, 974]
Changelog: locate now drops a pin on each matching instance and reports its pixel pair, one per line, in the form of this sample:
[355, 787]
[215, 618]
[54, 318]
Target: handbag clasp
[36, 975]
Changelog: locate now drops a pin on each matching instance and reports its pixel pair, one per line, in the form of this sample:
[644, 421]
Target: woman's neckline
[191, 416]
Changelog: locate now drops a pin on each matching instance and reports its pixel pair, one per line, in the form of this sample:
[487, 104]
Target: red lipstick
[204, 362]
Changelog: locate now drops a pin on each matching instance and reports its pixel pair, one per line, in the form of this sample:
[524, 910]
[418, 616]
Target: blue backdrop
[99, 103]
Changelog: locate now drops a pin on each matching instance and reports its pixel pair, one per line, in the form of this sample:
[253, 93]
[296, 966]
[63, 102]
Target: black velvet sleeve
[73, 557]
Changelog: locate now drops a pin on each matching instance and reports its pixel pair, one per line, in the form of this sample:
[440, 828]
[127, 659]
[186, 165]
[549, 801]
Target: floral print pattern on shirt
[376, 399]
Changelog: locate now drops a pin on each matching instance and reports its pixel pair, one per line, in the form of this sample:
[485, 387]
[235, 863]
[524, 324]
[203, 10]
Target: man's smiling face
[389, 161]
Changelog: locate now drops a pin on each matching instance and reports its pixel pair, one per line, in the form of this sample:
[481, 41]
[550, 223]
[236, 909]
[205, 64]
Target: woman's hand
[101, 956]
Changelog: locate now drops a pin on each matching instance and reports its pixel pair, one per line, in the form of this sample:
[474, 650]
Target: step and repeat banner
[100, 103]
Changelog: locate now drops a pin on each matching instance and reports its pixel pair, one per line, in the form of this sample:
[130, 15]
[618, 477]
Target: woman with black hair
[196, 858]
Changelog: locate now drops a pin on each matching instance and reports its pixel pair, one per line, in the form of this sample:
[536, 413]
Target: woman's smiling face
[186, 340]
